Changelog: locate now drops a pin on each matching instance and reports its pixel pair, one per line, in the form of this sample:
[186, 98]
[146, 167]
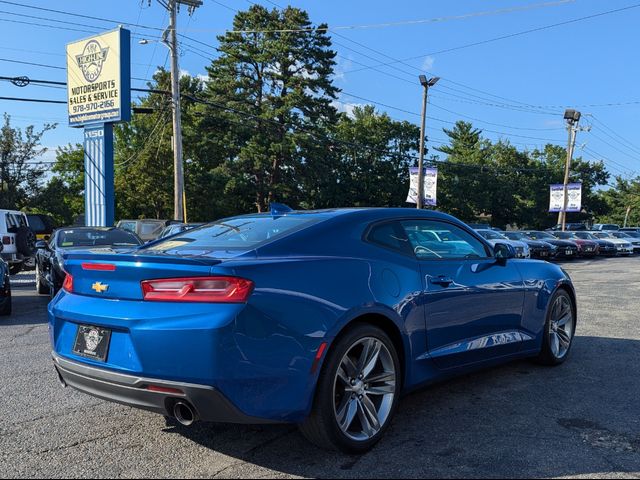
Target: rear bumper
[209, 404]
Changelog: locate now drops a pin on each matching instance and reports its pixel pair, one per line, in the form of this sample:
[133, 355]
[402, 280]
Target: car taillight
[102, 267]
[198, 289]
[67, 285]
[6, 240]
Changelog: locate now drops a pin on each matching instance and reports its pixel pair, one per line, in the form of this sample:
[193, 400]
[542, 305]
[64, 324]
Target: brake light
[103, 267]
[198, 289]
[6, 240]
[67, 285]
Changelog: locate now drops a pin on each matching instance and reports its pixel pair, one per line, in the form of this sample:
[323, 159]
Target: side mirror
[503, 252]
[41, 245]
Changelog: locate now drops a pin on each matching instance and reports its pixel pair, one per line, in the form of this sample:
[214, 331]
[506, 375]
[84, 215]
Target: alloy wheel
[364, 389]
[561, 327]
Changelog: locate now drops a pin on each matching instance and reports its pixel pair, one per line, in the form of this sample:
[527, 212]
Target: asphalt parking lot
[521, 420]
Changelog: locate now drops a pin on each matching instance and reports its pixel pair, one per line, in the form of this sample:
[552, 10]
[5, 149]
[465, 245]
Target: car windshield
[585, 236]
[491, 235]
[604, 235]
[633, 234]
[92, 238]
[564, 235]
[239, 233]
[541, 235]
[621, 235]
[514, 236]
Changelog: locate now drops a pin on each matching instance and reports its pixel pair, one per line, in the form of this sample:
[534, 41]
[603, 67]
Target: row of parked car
[553, 244]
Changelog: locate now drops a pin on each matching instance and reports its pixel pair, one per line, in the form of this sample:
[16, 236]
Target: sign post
[99, 95]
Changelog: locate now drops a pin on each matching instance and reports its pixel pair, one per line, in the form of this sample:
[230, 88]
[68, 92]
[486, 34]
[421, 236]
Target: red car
[586, 248]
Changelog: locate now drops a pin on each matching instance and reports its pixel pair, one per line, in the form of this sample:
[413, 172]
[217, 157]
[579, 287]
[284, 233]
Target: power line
[504, 37]
[395, 24]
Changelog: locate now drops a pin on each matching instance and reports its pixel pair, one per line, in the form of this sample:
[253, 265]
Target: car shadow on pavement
[27, 307]
[519, 420]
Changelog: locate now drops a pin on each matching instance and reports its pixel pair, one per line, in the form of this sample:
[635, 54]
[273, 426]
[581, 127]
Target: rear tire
[355, 400]
[559, 330]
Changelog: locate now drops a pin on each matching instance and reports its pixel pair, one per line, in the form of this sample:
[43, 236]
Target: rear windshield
[36, 223]
[92, 238]
[240, 233]
[489, 235]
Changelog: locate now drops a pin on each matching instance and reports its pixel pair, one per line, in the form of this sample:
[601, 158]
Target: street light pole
[426, 84]
[572, 117]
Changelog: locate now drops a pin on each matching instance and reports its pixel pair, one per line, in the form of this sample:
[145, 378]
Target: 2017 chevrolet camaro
[319, 318]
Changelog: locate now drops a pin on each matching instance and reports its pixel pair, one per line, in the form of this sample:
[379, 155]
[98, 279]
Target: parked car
[623, 246]
[598, 227]
[5, 287]
[17, 238]
[41, 225]
[483, 226]
[586, 248]
[147, 229]
[321, 319]
[633, 240]
[174, 228]
[493, 237]
[50, 272]
[564, 248]
[630, 229]
[605, 247]
[537, 248]
[574, 227]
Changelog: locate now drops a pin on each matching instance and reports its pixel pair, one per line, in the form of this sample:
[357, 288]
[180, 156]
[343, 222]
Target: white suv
[17, 239]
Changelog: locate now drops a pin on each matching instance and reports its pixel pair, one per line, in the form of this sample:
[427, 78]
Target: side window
[432, 240]
[390, 235]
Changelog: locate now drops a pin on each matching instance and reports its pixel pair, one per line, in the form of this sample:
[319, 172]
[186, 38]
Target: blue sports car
[318, 318]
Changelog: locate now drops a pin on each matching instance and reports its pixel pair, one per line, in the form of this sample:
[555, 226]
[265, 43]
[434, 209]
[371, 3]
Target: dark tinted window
[240, 233]
[390, 235]
[36, 223]
[431, 239]
[92, 238]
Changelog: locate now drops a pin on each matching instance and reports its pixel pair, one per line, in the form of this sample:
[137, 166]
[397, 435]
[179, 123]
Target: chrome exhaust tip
[184, 414]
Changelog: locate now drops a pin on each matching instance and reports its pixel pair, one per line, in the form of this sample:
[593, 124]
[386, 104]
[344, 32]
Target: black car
[565, 248]
[5, 287]
[606, 247]
[573, 227]
[49, 256]
[538, 249]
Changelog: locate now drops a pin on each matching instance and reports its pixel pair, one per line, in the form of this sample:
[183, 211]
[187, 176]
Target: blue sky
[516, 88]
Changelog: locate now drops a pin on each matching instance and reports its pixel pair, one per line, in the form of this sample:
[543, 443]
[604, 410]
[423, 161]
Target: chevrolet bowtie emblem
[100, 287]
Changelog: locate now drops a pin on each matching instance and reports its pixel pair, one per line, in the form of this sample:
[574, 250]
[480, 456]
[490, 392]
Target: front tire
[357, 392]
[559, 330]
[5, 303]
[41, 287]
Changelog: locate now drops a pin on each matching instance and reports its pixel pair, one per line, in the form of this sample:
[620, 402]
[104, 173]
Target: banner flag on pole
[556, 197]
[430, 185]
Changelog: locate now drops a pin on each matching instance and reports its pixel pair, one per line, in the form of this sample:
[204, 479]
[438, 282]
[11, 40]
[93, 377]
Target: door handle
[441, 280]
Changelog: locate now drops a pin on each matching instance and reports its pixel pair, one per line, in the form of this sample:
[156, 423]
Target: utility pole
[426, 84]
[572, 117]
[179, 208]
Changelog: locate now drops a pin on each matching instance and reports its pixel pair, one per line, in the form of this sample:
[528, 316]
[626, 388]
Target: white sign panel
[574, 194]
[430, 185]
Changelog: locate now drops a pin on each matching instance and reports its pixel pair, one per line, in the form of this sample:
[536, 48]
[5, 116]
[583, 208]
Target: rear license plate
[543, 254]
[92, 342]
[569, 252]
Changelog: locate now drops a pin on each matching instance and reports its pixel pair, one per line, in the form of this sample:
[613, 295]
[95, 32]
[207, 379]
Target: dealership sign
[98, 79]
[574, 195]
[430, 185]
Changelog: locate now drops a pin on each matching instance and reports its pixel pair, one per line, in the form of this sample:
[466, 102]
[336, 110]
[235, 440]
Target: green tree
[622, 202]
[20, 173]
[282, 82]
[368, 163]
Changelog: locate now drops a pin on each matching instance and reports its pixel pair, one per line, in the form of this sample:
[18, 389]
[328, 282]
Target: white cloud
[346, 107]
[428, 62]
[342, 66]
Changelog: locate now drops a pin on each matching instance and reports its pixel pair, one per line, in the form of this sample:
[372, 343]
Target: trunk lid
[113, 275]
